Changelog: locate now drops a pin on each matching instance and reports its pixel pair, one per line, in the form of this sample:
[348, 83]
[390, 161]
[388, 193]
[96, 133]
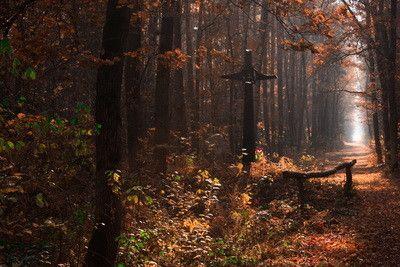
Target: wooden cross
[249, 76]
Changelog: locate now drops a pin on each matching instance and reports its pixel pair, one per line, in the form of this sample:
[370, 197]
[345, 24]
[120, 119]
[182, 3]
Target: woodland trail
[369, 224]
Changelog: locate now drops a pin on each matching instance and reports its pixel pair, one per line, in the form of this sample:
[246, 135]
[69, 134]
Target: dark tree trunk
[315, 112]
[372, 80]
[290, 95]
[232, 91]
[133, 76]
[302, 99]
[199, 72]
[103, 247]
[190, 52]
[265, 47]
[272, 85]
[392, 65]
[245, 20]
[179, 103]
[385, 109]
[261, 50]
[382, 54]
[151, 69]
[249, 125]
[163, 89]
[279, 66]
[215, 118]
[377, 136]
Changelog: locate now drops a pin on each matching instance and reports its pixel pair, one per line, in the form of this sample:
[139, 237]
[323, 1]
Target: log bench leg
[349, 182]
[300, 185]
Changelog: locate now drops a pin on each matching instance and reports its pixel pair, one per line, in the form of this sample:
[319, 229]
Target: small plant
[132, 245]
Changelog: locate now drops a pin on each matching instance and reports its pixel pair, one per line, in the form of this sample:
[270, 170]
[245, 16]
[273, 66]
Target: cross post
[248, 75]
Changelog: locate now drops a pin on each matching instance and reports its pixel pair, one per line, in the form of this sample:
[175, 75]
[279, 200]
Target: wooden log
[322, 174]
[302, 176]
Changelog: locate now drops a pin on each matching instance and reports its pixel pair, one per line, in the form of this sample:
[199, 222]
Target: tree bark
[232, 91]
[382, 53]
[190, 53]
[372, 80]
[215, 118]
[103, 247]
[180, 99]
[272, 85]
[133, 69]
[279, 65]
[199, 72]
[302, 99]
[392, 65]
[290, 96]
[265, 48]
[162, 108]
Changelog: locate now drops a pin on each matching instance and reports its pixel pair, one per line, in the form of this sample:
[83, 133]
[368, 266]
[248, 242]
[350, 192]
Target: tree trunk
[272, 85]
[392, 65]
[232, 90]
[199, 72]
[279, 65]
[179, 90]
[382, 51]
[265, 47]
[290, 95]
[373, 81]
[103, 247]
[302, 99]
[163, 88]
[316, 100]
[214, 93]
[190, 53]
[133, 76]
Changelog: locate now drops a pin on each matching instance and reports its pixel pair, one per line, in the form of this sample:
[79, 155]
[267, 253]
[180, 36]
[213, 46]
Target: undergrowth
[203, 212]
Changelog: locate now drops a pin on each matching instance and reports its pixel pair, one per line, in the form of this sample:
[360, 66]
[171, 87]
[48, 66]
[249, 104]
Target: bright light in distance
[358, 134]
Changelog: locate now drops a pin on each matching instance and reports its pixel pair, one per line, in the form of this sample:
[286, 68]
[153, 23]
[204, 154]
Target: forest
[199, 133]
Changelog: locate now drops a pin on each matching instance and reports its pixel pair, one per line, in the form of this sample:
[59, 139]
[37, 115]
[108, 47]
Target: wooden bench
[301, 177]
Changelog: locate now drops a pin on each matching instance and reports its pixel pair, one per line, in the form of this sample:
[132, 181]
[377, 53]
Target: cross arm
[253, 76]
[238, 76]
[260, 76]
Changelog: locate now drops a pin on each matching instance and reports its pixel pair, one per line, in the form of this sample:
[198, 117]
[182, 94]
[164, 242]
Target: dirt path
[374, 221]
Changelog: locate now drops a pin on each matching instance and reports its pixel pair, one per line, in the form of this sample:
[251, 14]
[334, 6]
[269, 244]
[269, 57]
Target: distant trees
[378, 31]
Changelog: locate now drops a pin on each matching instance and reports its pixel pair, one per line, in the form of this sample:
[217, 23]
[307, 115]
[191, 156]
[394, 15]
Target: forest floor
[363, 230]
[169, 227]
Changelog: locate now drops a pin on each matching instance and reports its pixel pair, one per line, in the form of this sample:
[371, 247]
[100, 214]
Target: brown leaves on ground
[217, 215]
